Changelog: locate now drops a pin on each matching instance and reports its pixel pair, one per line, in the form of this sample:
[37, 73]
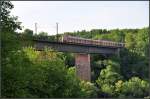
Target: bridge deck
[68, 43]
[75, 48]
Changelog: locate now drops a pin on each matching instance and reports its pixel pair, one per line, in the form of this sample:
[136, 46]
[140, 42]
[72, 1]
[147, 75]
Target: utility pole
[35, 28]
[57, 31]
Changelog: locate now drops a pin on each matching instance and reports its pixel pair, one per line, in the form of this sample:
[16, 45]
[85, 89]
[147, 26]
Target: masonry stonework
[83, 69]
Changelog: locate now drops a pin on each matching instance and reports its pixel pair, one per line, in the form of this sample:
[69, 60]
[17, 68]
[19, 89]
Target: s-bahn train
[78, 40]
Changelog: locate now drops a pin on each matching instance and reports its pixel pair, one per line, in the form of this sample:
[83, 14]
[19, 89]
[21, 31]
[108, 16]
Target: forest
[27, 73]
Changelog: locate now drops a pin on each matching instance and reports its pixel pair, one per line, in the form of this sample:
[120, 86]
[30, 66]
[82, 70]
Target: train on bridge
[78, 40]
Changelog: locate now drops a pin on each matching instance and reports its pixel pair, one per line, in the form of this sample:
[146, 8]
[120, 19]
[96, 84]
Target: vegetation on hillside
[46, 74]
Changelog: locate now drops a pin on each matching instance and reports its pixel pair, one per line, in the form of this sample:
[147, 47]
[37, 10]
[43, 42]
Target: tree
[130, 41]
[9, 45]
[28, 32]
[7, 28]
[108, 77]
[134, 87]
[43, 34]
[8, 23]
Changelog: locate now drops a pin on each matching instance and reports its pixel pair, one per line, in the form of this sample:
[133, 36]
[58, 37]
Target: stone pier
[83, 69]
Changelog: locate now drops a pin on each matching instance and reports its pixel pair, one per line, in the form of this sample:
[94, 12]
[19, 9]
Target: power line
[35, 28]
[57, 31]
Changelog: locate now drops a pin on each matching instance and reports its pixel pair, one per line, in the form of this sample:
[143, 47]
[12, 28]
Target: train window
[87, 42]
[76, 40]
[109, 43]
[73, 40]
[90, 42]
[70, 40]
[103, 43]
[84, 41]
[93, 43]
[100, 43]
[113, 44]
[116, 44]
[96, 42]
[79, 41]
[120, 45]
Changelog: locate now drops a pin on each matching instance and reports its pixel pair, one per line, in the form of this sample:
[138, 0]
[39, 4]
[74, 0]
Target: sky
[81, 15]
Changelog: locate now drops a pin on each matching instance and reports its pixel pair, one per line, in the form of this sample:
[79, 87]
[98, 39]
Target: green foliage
[130, 39]
[46, 74]
[88, 89]
[70, 60]
[32, 76]
[60, 81]
[8, 26]
[28, 32]
[43, 34]
[108, 78]
[8, 23]
[15, 75]
[133, 61]
[111, 83]
[135, 87]
[29, 73]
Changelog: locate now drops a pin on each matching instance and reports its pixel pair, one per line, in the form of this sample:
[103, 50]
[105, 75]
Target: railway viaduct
[82, 54]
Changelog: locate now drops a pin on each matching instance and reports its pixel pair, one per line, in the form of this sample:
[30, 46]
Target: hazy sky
[81, 15]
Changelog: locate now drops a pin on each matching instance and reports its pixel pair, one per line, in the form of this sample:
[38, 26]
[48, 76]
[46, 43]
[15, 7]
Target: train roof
[75, 37]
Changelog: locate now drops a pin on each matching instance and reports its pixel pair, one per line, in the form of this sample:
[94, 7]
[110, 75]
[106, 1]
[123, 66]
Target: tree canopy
[28, 73]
